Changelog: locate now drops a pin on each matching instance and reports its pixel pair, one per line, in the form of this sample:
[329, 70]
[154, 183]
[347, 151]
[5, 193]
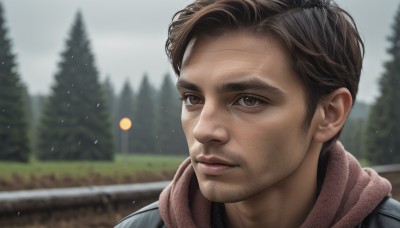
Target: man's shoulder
[148, 216]
[386, 214]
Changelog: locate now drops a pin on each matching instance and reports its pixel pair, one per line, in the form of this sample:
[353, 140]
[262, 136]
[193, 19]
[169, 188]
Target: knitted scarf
[349, 193]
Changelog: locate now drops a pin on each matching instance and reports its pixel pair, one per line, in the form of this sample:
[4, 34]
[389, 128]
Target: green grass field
[121, 166]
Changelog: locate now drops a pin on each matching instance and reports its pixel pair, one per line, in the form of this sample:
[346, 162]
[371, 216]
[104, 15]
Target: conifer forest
[80, 118]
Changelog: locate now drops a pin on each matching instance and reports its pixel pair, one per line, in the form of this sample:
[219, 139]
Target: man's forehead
[225, 63]
[246, 44]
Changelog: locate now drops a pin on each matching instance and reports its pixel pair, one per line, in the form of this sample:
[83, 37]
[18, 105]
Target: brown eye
[192, 100]
[249, 101]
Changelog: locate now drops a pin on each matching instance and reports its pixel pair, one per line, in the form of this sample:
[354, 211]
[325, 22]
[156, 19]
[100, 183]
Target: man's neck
[285, 205]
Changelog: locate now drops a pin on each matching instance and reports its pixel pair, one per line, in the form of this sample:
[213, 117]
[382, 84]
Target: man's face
[243, 115]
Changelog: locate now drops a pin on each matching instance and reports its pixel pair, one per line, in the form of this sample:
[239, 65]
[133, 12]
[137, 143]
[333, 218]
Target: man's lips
[213, 165]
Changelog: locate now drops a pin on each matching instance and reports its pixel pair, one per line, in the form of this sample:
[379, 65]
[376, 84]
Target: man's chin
[221, 196]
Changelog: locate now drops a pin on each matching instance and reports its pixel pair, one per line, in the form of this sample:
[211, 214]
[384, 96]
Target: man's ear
[335, 108]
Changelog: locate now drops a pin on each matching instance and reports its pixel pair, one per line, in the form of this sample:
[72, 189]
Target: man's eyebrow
[238, 86]
[181, 83]
[251, 84]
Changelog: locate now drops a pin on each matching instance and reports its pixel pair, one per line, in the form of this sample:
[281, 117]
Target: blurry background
[127, 38]
[71, 70]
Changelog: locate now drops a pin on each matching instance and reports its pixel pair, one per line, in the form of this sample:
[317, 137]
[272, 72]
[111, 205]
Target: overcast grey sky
[127, 37]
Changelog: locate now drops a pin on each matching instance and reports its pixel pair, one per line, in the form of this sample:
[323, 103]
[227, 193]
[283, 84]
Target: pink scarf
[349, 193]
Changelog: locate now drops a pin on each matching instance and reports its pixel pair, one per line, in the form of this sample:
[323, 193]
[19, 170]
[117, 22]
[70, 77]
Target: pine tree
[36, 102]
[143, 122]
[75, 124]
[382, 144]
[26, 99]
[111, 102]
[351, 136]
[14, 140]
[170, 137]
[125, 109]
[110, 98]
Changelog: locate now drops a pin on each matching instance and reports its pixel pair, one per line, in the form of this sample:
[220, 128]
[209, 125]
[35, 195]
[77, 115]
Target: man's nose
[211, 126]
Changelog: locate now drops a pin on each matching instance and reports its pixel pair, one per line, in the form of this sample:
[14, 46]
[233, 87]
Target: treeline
[376, 137]
[354, 128]
[79, 119]
[154, 112]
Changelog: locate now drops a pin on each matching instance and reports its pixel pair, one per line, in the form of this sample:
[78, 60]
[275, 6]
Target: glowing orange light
[125, 123]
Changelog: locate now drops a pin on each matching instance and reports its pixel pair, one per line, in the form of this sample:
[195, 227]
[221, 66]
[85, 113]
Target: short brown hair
[321, 38]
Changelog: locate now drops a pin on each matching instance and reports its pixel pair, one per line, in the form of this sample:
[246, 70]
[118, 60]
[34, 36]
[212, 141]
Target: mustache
[223, 153]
